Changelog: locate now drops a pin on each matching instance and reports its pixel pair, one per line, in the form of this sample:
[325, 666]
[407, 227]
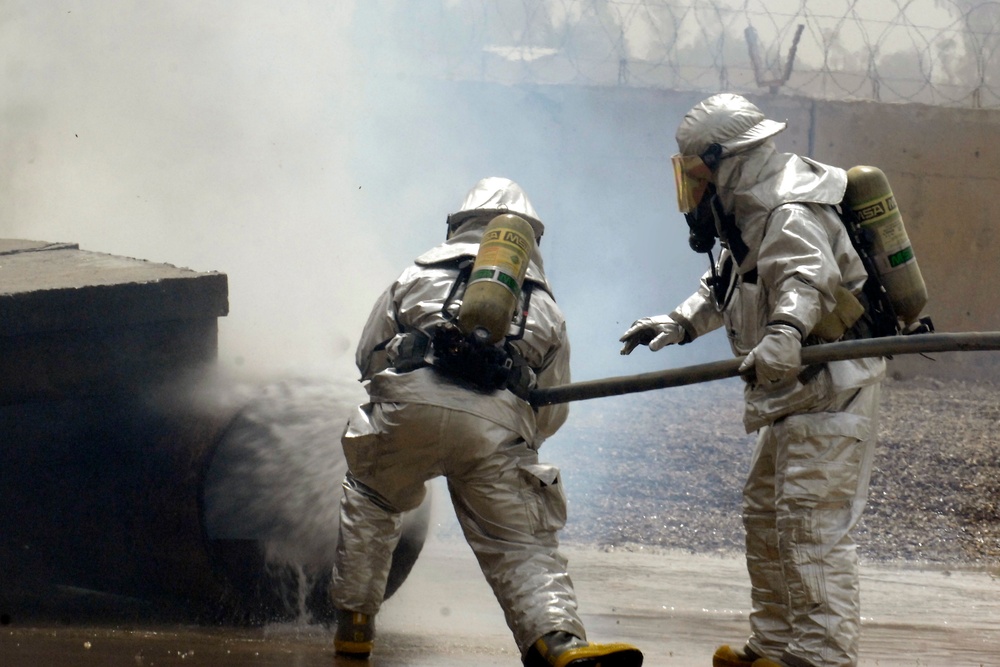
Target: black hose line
[814, 354]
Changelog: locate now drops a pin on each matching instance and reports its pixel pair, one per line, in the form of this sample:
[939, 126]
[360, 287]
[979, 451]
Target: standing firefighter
[448, 397]
[787, 276]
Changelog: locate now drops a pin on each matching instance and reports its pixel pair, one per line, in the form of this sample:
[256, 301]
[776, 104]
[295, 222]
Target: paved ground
[673, 605]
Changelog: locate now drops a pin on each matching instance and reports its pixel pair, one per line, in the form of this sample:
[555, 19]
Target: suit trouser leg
[807, 490]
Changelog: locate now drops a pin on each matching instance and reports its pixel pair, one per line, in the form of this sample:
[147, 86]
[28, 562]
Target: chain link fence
[936, 52]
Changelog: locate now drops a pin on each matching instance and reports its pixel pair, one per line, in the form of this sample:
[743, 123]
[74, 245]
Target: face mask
[702, 230]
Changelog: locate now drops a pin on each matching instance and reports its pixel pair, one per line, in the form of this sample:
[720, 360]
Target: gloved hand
[657, 332]
[777, 356]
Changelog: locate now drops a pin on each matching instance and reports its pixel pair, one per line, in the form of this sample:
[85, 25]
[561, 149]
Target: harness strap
[462, 358]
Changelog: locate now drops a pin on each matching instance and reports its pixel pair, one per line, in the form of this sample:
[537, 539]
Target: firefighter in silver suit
[421, 423]
[787, 276]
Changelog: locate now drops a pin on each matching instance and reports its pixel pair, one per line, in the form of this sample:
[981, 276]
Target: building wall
[944, 168]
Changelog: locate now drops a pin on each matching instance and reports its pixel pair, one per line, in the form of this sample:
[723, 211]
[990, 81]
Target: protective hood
[493, 196]
[754, 183]
[726, 125]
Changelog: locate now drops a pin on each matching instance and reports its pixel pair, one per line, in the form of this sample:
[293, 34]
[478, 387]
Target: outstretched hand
[657, 332]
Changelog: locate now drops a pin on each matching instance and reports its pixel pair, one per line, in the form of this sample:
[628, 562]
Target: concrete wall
[944, 167]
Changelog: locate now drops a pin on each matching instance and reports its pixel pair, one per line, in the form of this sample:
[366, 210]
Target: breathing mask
[702, 230]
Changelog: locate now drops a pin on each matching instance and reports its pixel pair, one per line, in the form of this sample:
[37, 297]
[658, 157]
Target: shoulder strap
[526, 291]
[879, 314]
[464, 271]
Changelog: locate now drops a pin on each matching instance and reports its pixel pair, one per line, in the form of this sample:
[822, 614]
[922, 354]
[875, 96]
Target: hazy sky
[275, 142]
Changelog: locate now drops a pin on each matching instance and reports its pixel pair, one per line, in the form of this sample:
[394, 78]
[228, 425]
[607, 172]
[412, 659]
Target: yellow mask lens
[691, 176]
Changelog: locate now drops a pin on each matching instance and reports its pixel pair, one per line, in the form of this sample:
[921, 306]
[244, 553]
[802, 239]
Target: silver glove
[657, 332]
[777, 356]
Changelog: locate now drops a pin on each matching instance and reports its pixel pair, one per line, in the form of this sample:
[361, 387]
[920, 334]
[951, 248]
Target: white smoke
[280, 143]
[210, 135]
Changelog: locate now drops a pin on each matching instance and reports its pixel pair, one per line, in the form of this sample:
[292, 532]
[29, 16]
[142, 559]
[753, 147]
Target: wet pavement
[675, 606]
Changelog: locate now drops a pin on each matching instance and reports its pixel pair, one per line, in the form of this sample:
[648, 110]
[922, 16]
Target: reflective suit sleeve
[698, 313]
[798, 268]
[556, 372]
[380, 327]
[546, 348]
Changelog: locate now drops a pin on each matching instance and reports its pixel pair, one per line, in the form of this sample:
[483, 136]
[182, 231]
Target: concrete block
[78, 323]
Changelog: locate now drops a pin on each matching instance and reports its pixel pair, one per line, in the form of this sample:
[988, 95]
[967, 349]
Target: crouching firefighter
[788, 275]
[447, 379]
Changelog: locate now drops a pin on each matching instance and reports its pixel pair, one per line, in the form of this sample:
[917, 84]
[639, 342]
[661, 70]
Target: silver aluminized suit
[808, 481]
[420, 425]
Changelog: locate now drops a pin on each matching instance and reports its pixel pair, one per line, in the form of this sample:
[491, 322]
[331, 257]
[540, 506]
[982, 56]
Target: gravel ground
[665, 468]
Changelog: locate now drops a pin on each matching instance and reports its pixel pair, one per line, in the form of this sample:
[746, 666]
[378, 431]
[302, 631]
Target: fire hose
[814, 354]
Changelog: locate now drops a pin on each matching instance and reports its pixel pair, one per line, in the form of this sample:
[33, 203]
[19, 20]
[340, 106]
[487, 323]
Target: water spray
[815, 354]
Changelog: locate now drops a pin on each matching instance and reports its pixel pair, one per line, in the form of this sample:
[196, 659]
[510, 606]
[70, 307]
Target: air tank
[870, 199]
[497, 275]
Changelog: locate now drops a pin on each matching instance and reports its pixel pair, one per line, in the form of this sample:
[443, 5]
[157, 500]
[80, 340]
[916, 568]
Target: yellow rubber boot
[355, 634]
[561, 649]
[727, 656]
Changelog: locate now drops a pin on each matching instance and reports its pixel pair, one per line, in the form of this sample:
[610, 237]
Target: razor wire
[935, 52]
